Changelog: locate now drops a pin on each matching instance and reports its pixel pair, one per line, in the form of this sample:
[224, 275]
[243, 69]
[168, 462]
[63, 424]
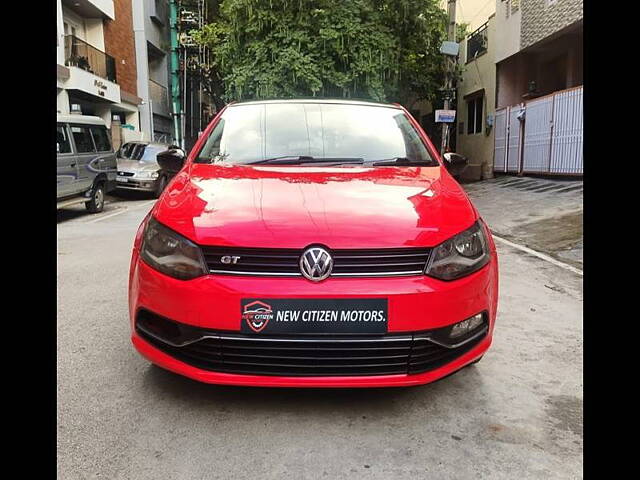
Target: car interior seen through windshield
[314, 133]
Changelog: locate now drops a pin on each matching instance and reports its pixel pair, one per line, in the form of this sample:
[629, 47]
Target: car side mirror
[455, 163]
[171, 160]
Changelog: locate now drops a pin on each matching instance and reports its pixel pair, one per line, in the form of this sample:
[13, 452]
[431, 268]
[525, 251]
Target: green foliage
[462, 30]
[385, 50]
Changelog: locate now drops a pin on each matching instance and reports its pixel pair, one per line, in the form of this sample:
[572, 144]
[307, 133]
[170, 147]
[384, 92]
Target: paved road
[516, 414]
[541, 213]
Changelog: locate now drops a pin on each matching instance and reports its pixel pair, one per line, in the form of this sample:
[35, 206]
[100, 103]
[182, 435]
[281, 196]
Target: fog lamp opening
[467, 326]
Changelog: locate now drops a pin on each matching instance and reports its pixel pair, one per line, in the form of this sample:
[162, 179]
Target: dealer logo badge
[257, 314]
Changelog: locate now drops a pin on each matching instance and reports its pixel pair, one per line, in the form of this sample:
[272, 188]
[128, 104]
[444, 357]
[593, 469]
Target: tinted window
[62, 139]
[101, 138]
[247, 133]
[82, 139]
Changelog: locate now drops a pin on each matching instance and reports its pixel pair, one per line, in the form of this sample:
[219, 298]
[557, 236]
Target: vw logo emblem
[316, 264]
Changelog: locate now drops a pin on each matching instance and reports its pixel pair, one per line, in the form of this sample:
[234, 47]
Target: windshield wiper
[301, 159]
[400, 161]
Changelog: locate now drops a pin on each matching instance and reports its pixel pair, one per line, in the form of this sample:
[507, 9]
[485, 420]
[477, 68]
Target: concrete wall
[60, 33]
[105, 6]
[512, 75]
[507, 30]
[479, 74]
[118, 37]
[542, 18]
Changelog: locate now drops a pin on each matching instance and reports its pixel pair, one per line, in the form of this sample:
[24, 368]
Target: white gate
[500, 147]
[552, 136]
[537, 135]
[566, 148]
[513, 143]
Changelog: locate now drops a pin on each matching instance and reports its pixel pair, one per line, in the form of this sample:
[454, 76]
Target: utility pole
[450, 68]
[175, 74]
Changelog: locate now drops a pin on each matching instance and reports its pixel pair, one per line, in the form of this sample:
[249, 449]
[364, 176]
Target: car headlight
[459, 256]
[171, 253]
[148, 174]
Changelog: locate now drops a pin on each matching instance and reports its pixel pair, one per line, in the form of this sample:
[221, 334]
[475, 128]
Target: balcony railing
[477, 42]
[160, 98]
[78, 53]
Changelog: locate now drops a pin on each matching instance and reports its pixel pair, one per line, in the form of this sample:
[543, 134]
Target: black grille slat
[285, 262]
[313, 355]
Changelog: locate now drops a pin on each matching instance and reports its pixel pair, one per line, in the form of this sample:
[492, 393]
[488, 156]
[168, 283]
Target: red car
[313, 243]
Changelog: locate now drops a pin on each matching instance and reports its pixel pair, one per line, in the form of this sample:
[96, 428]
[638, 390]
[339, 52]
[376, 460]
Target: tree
[385, 50]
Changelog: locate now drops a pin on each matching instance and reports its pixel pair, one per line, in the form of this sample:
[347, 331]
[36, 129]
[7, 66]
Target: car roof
[152, 144]
[344, 101]
[83, 119]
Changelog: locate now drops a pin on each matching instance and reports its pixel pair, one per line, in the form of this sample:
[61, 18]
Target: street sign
[450, 48]
[445, 116]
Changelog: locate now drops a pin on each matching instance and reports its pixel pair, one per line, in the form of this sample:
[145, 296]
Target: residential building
[151, 33]
[520, 98]
[96, 63]
[539, 76]
[538, 48]
[476, 101]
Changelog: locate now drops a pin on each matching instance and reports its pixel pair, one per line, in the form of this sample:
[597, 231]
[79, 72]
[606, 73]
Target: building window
[477, 43]
[474, 114]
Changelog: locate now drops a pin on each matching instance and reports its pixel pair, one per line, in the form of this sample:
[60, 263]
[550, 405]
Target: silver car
[138, 167]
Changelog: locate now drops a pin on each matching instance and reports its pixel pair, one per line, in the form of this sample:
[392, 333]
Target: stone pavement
[542, 214]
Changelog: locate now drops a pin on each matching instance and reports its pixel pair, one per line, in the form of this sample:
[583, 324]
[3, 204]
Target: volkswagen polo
[313, 243]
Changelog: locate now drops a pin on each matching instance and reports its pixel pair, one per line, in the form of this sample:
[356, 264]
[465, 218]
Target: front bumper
[415, 304]
[136, 183]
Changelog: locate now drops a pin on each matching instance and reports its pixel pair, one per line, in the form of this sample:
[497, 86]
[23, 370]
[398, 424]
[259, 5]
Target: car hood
[137, 166]
[293, 207]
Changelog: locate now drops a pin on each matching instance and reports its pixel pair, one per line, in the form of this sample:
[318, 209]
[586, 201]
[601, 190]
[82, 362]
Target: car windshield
[269, 132]
[149, 154]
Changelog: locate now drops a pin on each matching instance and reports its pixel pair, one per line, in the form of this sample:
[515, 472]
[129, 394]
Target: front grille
[125, 174]
[346, 262]
[309, 355]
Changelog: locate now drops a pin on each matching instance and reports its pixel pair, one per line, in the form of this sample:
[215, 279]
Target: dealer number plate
[317, 315]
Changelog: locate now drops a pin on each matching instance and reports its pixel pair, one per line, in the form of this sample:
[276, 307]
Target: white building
[151, 30]
[89, 81]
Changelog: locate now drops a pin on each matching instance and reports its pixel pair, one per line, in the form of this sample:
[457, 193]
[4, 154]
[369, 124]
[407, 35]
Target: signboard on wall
[445, 116]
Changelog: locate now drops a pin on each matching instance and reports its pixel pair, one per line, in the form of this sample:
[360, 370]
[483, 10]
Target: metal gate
[537, 135]
[552, 136]
[566, 147]
[500, 147]
[513, 143]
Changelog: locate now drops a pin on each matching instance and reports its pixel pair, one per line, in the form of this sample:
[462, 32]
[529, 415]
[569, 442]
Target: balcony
[92, 8]
[78, 53]
[159, 99]
[477, 43]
